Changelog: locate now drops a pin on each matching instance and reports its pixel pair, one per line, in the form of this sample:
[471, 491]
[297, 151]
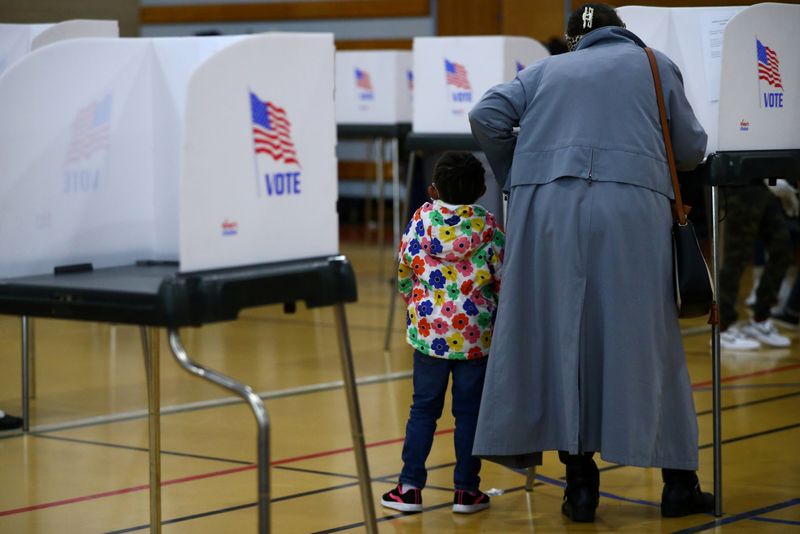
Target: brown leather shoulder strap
[679, 209]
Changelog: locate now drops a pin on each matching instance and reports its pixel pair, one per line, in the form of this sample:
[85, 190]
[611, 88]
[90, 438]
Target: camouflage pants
[752, 212]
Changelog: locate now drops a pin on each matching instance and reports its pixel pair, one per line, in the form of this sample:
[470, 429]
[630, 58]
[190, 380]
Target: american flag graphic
[362, 80]
[272, 131]
[410, 79]
[768, 65]
[456, 75]
[520, 66]
[90, 130]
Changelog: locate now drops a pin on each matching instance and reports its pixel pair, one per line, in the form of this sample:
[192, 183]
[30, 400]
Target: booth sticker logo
[364, 85]
[273, 148]
[457, 81]
[229, 227]
[744, 126]
[89, 141]
[769, 71]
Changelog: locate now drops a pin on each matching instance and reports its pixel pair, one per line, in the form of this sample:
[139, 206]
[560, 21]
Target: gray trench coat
[587, 353]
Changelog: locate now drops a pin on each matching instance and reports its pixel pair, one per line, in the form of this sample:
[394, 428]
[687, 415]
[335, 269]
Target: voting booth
[741, 72]
[16, 40]
[192, 150]
[735, 62]
[173, 182]
[453, 73]
[373, 87]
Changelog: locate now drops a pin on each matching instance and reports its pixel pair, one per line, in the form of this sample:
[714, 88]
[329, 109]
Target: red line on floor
[350, 449]
[293, 459]
[762, 372]
[123, 491]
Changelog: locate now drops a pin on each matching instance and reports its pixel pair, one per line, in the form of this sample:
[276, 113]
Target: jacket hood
[455, 232]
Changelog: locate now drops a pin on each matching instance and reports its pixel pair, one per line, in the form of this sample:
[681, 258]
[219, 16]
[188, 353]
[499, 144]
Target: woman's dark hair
[601, 15]
[458, 176]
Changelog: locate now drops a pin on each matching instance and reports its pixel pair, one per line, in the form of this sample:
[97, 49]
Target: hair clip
[588, 15]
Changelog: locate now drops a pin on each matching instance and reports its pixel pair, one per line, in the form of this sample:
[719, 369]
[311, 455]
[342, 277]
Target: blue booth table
[155, 295]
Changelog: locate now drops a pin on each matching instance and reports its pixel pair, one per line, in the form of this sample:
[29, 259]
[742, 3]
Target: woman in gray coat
[587, 354]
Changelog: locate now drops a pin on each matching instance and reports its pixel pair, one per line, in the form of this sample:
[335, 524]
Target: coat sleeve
[689, 139]
[405, 274]
[493, 120]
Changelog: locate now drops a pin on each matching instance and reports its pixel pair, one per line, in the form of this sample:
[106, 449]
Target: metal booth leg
[27, 353]
[393, 297]
[715, 358]
[259, 410]
[150, 347]
[364, 480]
[379, 154]
[530, 478]
[395, 191]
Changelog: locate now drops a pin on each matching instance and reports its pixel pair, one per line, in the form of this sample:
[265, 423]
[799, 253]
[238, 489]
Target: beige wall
[35, 11]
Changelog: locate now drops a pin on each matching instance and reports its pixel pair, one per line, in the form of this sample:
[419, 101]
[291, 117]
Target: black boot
[682, 495]
[582, 493]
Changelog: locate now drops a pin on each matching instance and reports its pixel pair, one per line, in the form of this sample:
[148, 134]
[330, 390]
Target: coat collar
[609, 34]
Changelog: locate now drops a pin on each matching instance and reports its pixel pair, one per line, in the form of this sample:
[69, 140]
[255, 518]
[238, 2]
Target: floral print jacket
[449, 275]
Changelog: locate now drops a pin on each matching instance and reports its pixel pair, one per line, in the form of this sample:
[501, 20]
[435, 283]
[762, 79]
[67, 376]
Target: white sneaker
[766, 333]
[734, 339]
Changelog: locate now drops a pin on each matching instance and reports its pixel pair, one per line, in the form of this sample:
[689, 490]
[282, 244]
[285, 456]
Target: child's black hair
[459, 178]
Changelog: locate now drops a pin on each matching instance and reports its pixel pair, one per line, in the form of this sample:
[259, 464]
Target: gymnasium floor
[93, 476]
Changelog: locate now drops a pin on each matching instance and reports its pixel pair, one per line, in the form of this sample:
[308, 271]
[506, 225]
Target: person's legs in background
[774, 233]
[741, 227]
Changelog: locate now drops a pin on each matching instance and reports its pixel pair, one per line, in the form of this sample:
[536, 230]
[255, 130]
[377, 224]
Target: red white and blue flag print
[363, 80]
[457, 75]
[768, 65]
[272, 131]
[91, 130]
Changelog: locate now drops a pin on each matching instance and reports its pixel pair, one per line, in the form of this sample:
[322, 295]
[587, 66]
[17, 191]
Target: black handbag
[694, 288]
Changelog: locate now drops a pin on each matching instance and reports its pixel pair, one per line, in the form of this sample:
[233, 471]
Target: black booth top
[156, 294]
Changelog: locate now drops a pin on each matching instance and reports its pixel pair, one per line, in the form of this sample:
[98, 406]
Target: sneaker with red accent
[410, 501]
[468, 502]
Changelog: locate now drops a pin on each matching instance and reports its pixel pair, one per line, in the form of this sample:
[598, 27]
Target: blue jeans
[431, 376]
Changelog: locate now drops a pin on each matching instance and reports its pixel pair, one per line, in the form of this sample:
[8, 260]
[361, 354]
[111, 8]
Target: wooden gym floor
[93, 475]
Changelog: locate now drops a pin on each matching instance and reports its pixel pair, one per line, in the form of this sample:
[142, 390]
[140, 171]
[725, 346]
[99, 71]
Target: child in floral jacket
[450, 258]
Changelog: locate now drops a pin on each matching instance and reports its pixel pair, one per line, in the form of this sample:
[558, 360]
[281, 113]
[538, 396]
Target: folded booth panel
[76, 185]
[16, 40]
[74, 29]
[760, 99]
[174, 62]
[259, 167]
